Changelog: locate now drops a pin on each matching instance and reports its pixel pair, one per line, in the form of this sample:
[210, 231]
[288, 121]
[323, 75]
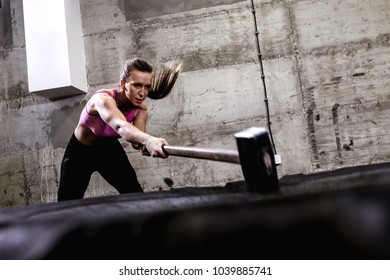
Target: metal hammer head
[257, 160]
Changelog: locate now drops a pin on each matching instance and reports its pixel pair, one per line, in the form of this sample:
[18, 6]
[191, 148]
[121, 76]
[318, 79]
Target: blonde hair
[163, 80]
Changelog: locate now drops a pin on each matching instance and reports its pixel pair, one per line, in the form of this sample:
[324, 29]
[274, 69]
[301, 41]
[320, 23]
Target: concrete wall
[327, 73]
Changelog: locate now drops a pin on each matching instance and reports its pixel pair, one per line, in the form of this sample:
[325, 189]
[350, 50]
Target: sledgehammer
[254, 153]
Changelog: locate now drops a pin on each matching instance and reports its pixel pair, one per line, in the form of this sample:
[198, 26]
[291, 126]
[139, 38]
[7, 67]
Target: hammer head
[257, 160]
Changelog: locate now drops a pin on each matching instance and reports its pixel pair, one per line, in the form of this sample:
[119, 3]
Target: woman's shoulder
[110, 92]
[101, 96]
[141, 109]
[142, 106]
[104, 94]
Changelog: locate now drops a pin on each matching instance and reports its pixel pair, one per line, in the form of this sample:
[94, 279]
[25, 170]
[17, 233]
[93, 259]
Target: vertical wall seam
[308, 111]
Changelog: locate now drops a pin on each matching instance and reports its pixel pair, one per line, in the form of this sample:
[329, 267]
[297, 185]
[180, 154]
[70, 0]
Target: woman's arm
[139, 122]
[109, 112]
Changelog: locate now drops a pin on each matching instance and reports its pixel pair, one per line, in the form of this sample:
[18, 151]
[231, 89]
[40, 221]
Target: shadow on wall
[5, 24]
[134, 9]
[63, 123]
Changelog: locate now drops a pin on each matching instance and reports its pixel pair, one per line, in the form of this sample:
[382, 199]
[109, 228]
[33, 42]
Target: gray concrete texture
[327, 74]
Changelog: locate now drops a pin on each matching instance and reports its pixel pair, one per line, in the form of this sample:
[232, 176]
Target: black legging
[80, 161]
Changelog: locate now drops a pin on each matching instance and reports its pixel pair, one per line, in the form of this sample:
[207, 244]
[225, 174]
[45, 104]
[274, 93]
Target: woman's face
[138, 86]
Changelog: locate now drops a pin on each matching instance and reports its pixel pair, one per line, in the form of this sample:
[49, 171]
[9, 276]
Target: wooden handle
[203, 153]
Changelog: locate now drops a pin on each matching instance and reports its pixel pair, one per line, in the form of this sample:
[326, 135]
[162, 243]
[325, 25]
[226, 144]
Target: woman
[108, 115]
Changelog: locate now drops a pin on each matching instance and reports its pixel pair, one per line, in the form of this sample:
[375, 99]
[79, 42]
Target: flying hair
[164, 79]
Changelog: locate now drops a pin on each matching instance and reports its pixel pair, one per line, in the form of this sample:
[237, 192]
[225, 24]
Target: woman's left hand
[154, 147]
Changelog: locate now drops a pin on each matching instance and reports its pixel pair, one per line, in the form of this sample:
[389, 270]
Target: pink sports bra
[97, 125]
